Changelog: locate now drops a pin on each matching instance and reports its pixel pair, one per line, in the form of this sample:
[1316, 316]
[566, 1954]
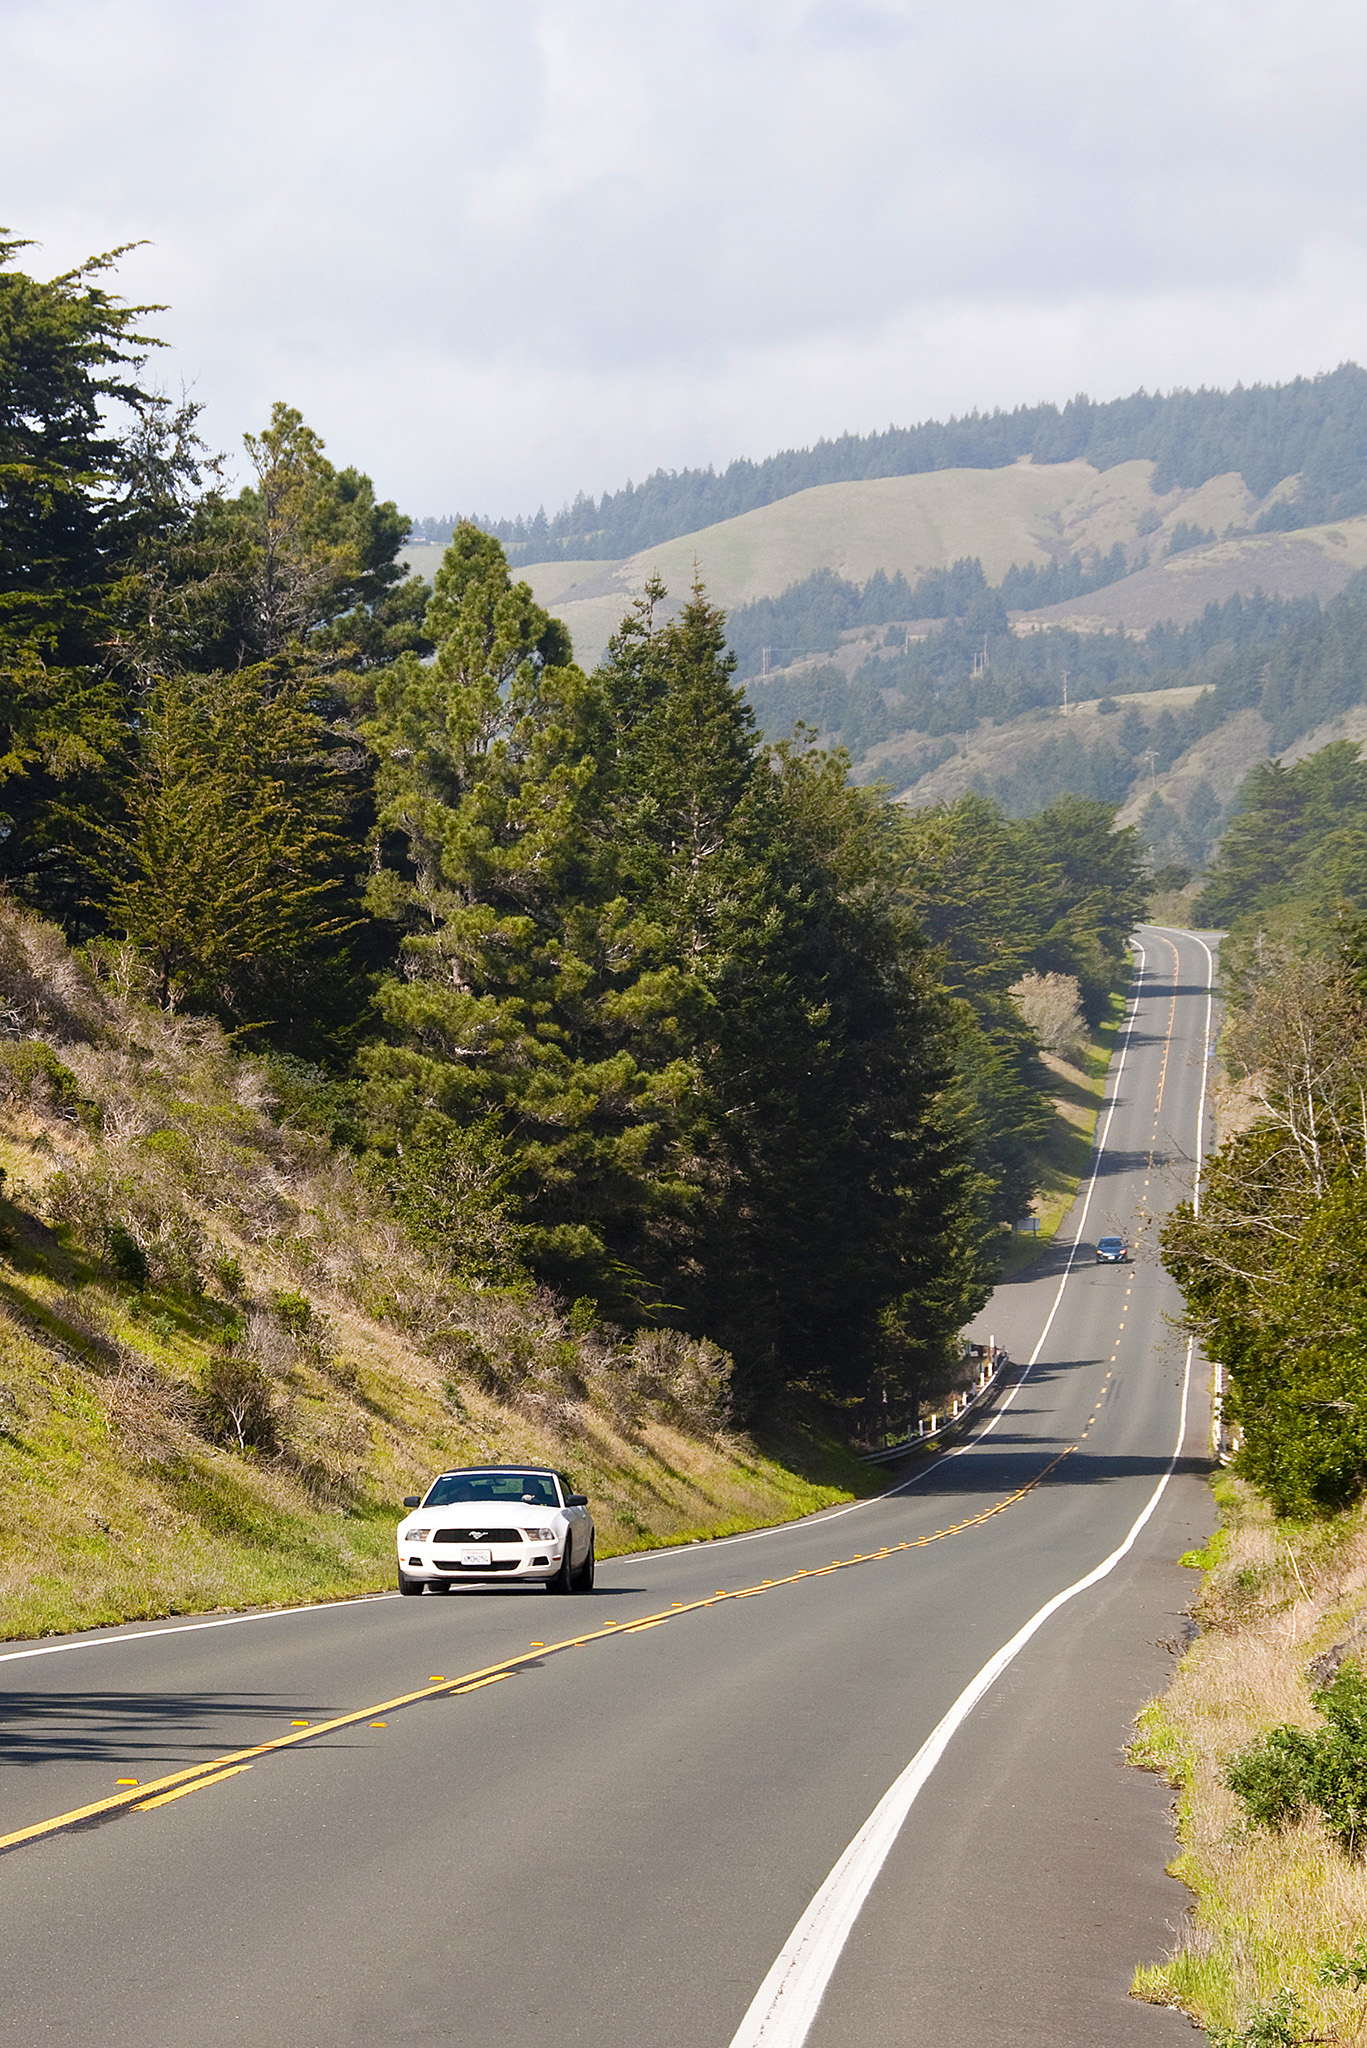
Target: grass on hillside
[1270, 1909]
[222, 1365]
[1079, 1090]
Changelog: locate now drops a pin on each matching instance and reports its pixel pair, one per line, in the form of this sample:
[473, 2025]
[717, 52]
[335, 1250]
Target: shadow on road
[130, 1728]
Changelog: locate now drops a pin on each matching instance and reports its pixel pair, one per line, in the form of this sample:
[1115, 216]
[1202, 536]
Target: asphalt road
[619, 1841]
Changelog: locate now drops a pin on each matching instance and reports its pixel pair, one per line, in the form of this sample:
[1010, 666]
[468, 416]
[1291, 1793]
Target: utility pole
[764, 661]
[1153, 772]
[1065, 693]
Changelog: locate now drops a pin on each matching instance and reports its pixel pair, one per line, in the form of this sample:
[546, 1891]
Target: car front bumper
[443, 1567]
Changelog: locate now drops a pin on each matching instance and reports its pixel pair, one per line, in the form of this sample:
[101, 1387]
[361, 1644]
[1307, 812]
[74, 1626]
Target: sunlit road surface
[858, 1780]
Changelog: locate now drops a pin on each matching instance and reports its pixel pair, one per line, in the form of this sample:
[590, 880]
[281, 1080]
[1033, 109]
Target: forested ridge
[598, 991]
[1312, 427]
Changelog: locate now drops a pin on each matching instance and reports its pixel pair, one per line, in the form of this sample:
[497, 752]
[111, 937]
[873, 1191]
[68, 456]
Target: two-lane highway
[853, 1780]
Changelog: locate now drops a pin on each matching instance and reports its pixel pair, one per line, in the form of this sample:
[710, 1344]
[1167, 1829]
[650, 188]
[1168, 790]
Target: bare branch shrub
[1051, 1005]
[144, 1234]
[151, 1415]
[241, 1404]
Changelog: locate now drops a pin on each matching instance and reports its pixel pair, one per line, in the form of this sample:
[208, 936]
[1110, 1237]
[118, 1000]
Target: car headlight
[415, 1536]
[539, 1535]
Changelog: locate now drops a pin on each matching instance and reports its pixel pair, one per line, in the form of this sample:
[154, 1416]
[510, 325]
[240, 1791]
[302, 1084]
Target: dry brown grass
[1270, 1907]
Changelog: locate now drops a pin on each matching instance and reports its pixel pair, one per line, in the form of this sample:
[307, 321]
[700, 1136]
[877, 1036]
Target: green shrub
[146, 1237]
[1281, 1774]
[127, 1259]
[30, 1070]
[229, 1274]
[294, 1310]
[1278, 2025]
[1271, 1776]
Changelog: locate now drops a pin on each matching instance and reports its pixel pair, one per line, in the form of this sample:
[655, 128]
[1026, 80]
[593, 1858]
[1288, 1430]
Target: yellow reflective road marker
[165, 1798]
[299, 1724]
[125, 1781]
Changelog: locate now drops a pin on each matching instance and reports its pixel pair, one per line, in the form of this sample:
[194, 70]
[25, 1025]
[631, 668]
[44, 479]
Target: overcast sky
[499, 251]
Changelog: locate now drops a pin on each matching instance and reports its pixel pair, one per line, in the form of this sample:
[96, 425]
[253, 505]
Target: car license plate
[484, 1556]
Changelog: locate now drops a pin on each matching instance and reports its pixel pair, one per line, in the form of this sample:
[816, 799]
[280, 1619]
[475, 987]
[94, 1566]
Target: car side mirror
[412, 1500]
[576, 1500]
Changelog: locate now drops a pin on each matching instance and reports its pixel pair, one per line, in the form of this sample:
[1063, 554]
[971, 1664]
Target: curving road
[854, 1780]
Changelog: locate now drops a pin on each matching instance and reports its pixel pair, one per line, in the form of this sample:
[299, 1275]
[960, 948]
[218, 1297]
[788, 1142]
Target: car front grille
[500, 1564]
[478, 1536]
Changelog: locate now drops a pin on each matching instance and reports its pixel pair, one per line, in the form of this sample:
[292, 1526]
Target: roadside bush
[686, 1380]
[1278, 2024]
[1290, 1770]
[1051, 1005]
[240, 1404]
[151, 1414]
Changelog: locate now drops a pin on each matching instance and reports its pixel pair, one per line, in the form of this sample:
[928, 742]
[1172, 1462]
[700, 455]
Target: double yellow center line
[160, 1792]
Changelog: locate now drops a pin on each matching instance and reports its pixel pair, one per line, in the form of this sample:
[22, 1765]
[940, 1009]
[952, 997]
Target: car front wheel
[563, 1582]
[583, 1578]
[407, 1585]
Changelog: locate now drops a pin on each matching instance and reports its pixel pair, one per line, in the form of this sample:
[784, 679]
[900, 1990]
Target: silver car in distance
[497, 1525]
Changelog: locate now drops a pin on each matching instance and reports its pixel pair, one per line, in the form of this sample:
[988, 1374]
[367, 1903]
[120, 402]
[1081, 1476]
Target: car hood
[480, 1518]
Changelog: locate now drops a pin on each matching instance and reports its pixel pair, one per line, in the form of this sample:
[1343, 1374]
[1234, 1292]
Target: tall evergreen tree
[228, 867]
[534, 999]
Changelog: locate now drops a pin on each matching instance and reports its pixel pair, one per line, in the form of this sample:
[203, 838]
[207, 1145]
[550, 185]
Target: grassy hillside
[1314, 563]
[222, 1365]
[1028, 512]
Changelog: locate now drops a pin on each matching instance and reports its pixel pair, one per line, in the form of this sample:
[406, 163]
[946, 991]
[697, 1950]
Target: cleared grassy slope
[1026, 513]
[163, 1238]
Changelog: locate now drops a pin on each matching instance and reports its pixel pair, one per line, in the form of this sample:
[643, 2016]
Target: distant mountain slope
[1026, 513]
[1314, 563]
[1314, 428]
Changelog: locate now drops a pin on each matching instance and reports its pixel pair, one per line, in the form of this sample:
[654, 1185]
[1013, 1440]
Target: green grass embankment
[1079, 1090]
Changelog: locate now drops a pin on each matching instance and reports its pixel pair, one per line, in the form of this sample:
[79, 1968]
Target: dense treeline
[1297, 664]
[610, 995]
[1274, 1270]
[809, 617]
[1292, 865]
[1313, 427]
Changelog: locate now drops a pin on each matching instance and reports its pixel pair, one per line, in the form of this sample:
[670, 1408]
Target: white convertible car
[497, 1524]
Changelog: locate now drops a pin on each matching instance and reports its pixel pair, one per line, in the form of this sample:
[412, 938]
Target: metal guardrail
[995, 1361]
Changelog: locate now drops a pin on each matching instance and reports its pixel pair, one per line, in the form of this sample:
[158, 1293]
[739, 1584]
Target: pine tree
[228, 867]
[534, 998]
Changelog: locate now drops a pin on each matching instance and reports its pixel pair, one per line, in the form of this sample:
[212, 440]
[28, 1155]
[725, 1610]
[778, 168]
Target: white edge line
[185, 1628]
[786, 2003]
[783, 2009]
[189, 1628]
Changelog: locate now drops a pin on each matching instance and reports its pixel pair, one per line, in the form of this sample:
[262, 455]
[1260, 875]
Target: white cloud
[500, 254]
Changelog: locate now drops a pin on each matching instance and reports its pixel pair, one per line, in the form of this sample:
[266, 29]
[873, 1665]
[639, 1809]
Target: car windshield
[536, 1489]
[1109, 1244]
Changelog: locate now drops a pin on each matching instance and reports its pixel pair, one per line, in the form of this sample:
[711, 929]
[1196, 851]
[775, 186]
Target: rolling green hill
[1027, 513]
